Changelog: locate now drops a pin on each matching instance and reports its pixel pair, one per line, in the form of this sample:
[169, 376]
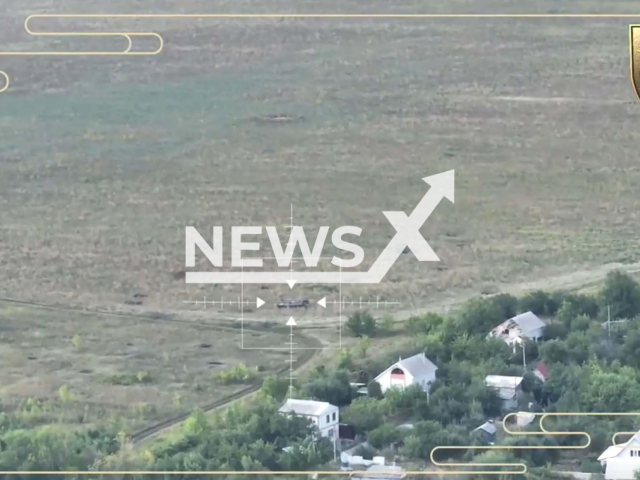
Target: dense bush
[362, 323]
[424, 324]
[238, 374]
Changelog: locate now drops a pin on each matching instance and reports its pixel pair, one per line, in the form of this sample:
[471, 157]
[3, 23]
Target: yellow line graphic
[128, 35]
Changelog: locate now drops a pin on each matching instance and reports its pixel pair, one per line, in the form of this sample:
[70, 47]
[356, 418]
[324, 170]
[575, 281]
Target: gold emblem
[634, 46]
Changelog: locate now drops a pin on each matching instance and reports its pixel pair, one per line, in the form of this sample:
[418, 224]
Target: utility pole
[291, 323]
[524, 357]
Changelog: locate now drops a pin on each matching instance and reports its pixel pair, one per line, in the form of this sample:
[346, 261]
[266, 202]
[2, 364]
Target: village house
[487, 431]
[509, 389]
[325, 417]
[622, 461]
[514, 330]
[416, 370]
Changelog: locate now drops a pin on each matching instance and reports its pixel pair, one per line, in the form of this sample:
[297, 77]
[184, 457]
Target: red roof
[543, 369]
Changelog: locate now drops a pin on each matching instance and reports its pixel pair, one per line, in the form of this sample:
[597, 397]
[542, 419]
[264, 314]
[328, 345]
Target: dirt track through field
[571, 281]
[303, 357]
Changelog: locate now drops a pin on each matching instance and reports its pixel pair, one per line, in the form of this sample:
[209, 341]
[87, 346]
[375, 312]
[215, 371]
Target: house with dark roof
[416, 370]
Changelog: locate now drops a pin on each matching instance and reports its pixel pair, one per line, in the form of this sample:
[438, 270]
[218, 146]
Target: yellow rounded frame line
[543, 432]
[522, 468]
[128, 35]
[6, 81]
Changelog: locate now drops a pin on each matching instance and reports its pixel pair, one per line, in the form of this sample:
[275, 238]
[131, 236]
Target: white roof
[502, 382]
[621, 467]
[525, 418]
[527, 323]
[488, 427]
[305, 407]
[419, 366]
[615, 450]
[611, 452]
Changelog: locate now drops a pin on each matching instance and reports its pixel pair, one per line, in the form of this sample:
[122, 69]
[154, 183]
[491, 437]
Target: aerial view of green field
[309, 121]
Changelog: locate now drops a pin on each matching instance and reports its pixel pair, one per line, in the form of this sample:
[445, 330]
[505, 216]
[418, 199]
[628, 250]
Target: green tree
[622, 294]
[479, 316]
[362, 323]
[555, 331]
[364, 413]
[387, 324]
[541, 302]
[275, 387]
[384, 435]
[196, 424]
[607, 391]
[487, 397]
[506, 303]
[333, 388]
[374, 390]
[346, 360]
[424, 324]
[555, 351]
[630, 352]
[363, 345]
[575, 305]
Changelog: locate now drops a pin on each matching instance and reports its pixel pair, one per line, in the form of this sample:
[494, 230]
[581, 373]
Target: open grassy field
[139, 370]
[105, 160]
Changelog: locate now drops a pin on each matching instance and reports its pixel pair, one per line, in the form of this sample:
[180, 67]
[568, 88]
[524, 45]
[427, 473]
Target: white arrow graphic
[323, 302]
[259, 302]
[407, 235]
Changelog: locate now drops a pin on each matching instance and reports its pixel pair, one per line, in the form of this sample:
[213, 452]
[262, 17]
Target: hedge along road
[310, 347]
